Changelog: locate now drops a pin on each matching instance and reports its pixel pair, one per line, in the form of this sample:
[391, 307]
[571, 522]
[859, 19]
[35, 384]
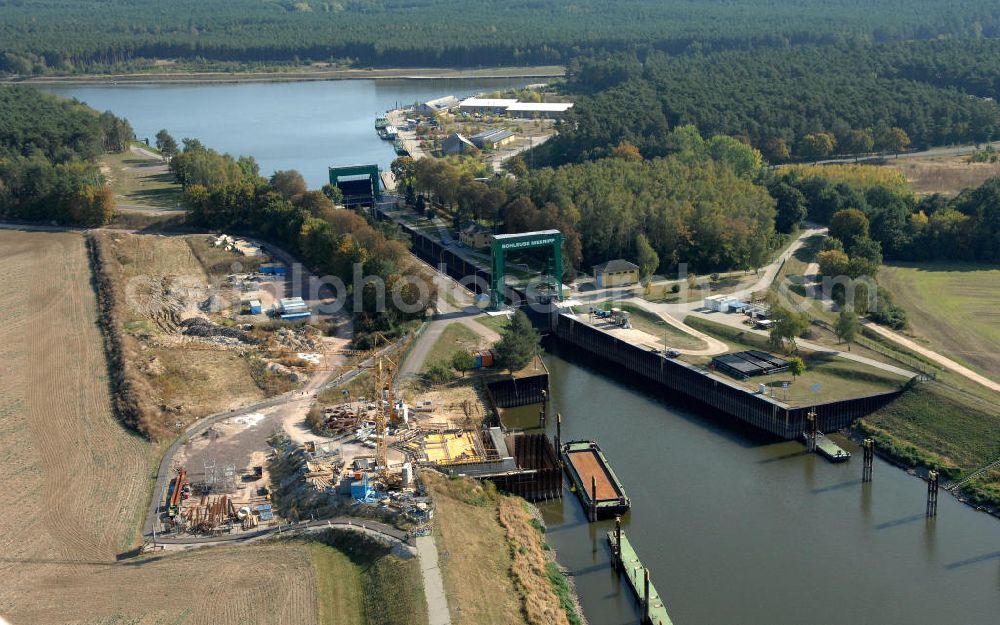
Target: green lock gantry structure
[503, 243]
[365, 186]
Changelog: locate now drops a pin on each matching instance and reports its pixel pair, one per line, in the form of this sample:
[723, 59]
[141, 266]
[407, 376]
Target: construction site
[200, 322]
[360, 457]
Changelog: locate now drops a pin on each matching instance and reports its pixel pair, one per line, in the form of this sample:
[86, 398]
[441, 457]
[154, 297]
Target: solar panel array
[750, 363]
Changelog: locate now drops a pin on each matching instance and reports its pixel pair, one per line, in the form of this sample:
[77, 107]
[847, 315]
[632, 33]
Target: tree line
[40, 36]
[800, 104]
[873, 217]
[702, 205]
[896, 224]
[48, 152]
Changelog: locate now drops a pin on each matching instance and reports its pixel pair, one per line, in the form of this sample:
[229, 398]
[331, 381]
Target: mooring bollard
[811, 430]
[616, 554]
[932, 493]
[645, 594]
[868, 448]
[593, 498]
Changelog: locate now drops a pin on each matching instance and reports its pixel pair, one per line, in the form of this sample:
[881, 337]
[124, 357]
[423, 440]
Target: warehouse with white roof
[509, 106]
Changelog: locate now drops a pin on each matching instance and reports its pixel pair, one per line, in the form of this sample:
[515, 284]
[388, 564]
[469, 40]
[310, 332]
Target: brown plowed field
[74, 483]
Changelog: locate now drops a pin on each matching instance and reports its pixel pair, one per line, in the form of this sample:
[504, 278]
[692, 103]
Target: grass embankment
[838, 378]
[141, 180]
[497, 323]
[789, 286]
[359, 582]
[496, 565]
[704, 286]
[951, 424]
[454, 337]
[953, 308]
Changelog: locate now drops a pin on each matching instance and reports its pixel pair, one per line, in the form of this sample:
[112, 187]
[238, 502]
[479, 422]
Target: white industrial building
[725, 303]
[293, 308]
[549, 110]
[486, 105]
[510, 106]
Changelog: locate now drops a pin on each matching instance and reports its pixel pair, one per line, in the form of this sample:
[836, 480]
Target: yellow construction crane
[384, 415]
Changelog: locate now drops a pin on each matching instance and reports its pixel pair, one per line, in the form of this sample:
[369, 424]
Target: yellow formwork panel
[449, 448]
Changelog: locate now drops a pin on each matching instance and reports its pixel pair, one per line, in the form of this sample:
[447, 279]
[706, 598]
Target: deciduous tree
[166, 144]
[847, 327]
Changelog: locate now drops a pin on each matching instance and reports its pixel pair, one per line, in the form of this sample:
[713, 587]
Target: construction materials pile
[210, 515]
[297, 339]
[197, 326]
[341, 419]
[323, 475]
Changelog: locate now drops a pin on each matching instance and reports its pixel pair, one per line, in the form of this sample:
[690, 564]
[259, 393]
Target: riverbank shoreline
[297, 75]
[857, 434]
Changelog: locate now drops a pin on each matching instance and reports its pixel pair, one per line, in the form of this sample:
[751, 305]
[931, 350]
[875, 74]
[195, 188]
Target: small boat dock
[625, 559]
[829, 449]
[599, 489]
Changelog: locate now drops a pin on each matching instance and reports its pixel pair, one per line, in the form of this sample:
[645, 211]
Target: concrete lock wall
[761, 412]
[511, 393]
[757, 410]
[435, 254]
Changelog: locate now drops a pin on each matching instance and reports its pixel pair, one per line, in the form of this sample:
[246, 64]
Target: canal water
[735, 527]
[739, 528]
[307, 126]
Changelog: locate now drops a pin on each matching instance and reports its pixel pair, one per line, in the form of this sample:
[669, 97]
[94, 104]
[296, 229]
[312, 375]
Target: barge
[828, 449]
[627, 561]
[599, 489]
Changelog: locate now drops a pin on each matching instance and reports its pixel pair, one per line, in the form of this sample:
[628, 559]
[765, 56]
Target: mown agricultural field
[953, 308]
[74, 483]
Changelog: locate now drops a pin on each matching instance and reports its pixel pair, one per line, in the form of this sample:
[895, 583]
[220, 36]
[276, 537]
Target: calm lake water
[735, 527]
[307, 126]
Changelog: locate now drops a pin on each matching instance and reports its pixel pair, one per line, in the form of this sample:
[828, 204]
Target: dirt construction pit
[456, 405]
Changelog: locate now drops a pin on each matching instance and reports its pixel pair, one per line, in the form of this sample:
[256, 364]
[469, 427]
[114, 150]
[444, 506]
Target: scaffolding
[210, 475]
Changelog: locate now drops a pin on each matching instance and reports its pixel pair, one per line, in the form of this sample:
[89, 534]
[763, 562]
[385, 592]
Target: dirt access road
[299, 74]
[464, 312]
[944, 361]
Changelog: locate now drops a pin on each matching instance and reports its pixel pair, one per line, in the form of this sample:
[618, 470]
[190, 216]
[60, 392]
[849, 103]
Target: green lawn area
[953, 309]
[838, 378]
[142, 181]
[652, 324]
[456, 336]
[660, 293]
[338, 586]
[497, 323]
[359, 582]
[788, 284]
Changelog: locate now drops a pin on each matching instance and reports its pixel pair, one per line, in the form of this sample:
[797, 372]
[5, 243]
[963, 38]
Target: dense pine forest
[802, 103]
[48, 148]
[39, 36]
